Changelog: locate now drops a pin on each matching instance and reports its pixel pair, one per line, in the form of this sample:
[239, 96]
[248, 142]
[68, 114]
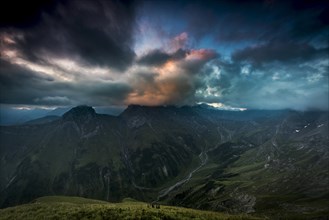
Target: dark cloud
[22, 86]
[159, 57]
[154, 58]
[227, 21]
[53, 100]
[97, 32]
[146, 77]
[108, 92]
[197, 59]
[278, 51]
[253, 21]
[29, 14]
[15, 76]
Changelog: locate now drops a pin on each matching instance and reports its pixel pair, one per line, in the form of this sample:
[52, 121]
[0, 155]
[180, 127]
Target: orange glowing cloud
[169, 68]
[201, 54]
[173, 82]
[162, 92]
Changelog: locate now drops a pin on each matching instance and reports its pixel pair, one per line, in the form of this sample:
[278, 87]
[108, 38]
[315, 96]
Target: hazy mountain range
[13, 115]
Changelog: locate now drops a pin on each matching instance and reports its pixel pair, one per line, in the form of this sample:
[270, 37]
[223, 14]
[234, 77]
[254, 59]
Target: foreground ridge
[60, 207]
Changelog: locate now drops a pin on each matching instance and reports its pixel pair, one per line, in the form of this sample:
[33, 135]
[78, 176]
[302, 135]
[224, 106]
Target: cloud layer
[251, 54]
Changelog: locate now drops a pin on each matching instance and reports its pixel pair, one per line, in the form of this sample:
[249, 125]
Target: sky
[260, 54]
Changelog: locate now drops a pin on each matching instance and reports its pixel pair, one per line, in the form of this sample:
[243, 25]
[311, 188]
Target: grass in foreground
[61, 207]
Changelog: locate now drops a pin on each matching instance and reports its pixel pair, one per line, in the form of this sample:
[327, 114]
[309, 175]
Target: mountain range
[266, 162]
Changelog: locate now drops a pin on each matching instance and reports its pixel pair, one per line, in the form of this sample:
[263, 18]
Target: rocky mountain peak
[82, 111]
[133, 110]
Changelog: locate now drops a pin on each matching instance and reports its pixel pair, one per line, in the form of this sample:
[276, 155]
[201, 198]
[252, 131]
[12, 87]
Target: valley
[203, 160]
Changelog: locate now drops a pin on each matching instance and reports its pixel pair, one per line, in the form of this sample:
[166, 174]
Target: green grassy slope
[61, 207]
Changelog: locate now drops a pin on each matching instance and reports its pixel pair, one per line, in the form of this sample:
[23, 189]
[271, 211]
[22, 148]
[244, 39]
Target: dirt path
[203, 158]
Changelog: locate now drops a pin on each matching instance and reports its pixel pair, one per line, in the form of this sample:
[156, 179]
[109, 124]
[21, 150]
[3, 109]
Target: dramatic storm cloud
[249, 54]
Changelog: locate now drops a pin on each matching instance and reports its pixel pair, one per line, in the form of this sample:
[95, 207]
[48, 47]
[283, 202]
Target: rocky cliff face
[191, 156]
